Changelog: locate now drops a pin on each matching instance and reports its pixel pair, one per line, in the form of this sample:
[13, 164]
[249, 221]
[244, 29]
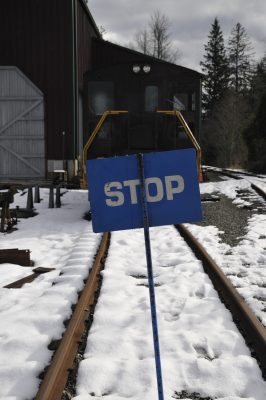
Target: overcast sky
[190, 22]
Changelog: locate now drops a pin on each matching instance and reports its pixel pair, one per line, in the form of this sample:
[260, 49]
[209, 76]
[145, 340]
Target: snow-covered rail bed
[241, 215]
[203, 354]
[33, 316]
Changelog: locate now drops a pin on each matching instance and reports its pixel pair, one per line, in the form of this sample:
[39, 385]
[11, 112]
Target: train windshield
[180, 101]
[101, 97]
[151, 98]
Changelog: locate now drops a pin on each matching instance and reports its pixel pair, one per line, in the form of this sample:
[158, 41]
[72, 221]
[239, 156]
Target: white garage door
[22, 147]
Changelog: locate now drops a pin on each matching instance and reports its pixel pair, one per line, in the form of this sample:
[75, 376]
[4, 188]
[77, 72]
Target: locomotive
[140, 109]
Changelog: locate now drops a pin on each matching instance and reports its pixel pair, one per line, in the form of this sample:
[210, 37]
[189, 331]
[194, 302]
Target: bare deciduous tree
[155, 40]
[159, 29]
[143, 41]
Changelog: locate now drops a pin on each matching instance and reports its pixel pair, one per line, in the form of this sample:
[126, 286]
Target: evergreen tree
[240, 53]
[256, 139]
[215, 67]
[258, 85]
[255, 135]
[223, 137]
[261, 67]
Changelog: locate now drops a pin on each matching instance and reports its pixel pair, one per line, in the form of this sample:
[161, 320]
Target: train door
[100, 99]
[143, 101]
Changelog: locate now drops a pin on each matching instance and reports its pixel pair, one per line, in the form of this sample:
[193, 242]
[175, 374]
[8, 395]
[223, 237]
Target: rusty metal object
[55, 379]
[28, 279]
[253, 331]
[16, 256]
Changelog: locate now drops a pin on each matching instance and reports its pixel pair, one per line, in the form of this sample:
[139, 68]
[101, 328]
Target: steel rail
[55, 379]
[255, 187]
[253, 331]
[232, 171]
[235, 175]
[225, 172]
[258, 190]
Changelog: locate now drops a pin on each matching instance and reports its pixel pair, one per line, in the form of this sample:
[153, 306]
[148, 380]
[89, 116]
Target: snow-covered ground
[201, 349]
[245, 264]
[32, 316]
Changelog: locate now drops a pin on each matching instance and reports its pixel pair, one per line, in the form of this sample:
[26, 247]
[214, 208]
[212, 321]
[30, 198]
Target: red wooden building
[50, 50]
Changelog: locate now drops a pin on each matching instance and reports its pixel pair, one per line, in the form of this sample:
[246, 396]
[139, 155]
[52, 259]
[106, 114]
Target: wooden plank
[16, 256]
[42, 270]
[19, 283]
[28, 279]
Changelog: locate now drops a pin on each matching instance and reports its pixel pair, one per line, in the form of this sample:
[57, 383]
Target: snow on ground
[245, 263]
[201, 349]
[32, 316]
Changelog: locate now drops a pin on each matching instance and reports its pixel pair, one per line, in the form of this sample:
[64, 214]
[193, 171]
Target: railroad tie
[28, 279]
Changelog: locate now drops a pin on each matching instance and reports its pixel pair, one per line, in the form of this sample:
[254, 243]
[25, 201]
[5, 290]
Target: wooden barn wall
[37, 36]
[85, 32]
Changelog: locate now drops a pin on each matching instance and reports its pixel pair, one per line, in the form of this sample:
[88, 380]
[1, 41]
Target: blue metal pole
[150, 278]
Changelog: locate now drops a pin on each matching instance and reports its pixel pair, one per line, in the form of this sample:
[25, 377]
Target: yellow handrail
[83, 182]
[116, 112]
[190, 136]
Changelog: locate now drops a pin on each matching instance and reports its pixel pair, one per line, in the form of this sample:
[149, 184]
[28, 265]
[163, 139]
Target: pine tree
[240, 53]
[255, 135]
[258, 85]
[216, 69]
[224, 140]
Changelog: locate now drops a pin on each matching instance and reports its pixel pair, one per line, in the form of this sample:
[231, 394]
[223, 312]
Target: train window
[180, 101]
[151, 98]
[101, 97]
[193, 102]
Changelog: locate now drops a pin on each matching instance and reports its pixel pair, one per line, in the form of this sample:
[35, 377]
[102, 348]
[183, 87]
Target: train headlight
[136, 68]
[146, 68]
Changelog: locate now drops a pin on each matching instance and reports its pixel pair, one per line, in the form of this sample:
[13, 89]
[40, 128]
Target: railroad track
[55, 379]
[259, 190]
[253, 331]
[232, 173]
[240, 220]
[240, 175]
[54, 382]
